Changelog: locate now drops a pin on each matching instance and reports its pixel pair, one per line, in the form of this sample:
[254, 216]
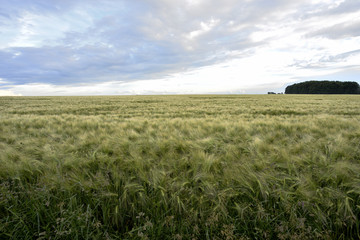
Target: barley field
[180, 167]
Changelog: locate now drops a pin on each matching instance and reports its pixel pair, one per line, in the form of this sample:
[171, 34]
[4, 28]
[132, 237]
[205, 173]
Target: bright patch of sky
[78, 47]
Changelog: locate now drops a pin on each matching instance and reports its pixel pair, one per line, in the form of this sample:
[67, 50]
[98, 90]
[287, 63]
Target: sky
[129, 47]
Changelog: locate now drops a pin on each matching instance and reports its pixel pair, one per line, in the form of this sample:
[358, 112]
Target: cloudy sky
[100, 47]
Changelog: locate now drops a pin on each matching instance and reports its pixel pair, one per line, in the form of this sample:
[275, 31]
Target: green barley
[180, 167]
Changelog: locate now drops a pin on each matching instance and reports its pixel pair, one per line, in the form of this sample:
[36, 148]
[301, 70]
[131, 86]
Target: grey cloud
[64, 65]
[338, 31]
[172, 22]
[341, 57]
[322, 62]
[127, 47]
[306, 11]
[143, 39]
[348, 6]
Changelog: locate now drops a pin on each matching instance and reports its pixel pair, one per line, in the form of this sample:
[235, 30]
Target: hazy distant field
[180, 167]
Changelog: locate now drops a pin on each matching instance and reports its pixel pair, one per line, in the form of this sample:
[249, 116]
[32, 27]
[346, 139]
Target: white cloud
[204, 28]
[2, 81]
[8, 93]
[194, 2]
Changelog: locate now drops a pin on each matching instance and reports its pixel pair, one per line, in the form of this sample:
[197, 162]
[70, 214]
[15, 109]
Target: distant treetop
[323, 87]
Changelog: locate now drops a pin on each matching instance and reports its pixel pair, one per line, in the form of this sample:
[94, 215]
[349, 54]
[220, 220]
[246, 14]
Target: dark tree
[323, 87]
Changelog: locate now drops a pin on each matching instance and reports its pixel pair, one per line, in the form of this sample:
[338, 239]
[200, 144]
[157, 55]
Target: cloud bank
[89, 47]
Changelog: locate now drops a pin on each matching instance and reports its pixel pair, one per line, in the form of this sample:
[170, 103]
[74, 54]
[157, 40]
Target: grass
[180, 167]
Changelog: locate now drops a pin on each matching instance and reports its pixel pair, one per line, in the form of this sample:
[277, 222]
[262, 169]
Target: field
[180, 167]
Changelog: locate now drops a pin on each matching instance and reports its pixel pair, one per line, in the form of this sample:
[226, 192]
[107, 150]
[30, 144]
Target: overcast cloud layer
[88, 47]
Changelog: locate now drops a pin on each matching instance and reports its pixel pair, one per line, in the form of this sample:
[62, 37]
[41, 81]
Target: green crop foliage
[180, 167]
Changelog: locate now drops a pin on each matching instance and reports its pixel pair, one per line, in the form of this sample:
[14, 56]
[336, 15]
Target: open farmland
[180, 167]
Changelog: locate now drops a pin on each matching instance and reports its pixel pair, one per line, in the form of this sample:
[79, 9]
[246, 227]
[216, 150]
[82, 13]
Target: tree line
[323, 87]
